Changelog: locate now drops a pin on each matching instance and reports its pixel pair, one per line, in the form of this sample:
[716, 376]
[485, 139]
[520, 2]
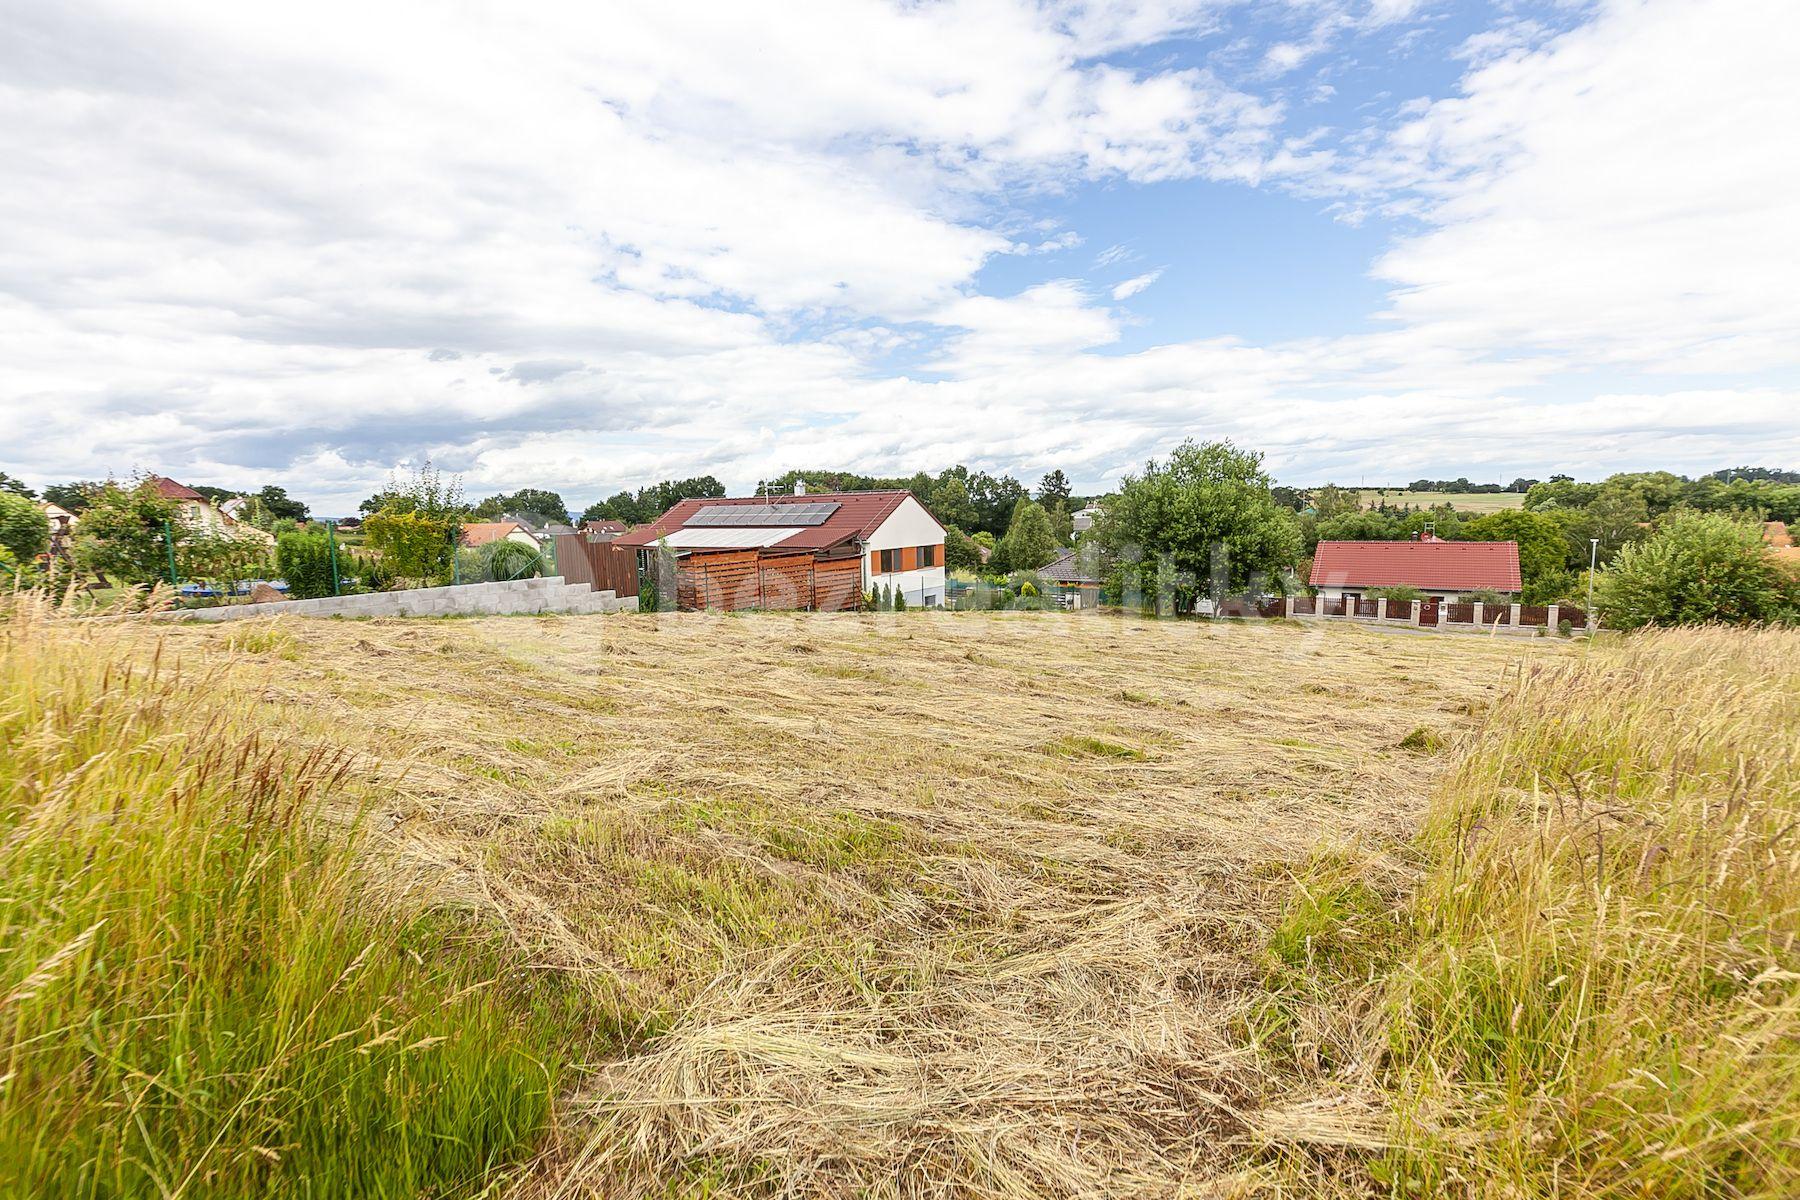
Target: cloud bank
[590, 246]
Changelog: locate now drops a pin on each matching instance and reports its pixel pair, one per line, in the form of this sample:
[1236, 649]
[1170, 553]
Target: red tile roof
[1441, 566]
[168, 489]
[480, 533]
[859, 514]
[603, 526]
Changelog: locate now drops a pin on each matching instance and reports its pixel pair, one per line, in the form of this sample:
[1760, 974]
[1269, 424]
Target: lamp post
[1593, 558]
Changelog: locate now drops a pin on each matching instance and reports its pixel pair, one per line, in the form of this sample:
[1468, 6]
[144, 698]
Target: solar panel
[721, 515]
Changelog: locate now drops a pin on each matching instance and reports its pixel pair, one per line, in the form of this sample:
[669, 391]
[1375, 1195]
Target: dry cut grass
[995, 905]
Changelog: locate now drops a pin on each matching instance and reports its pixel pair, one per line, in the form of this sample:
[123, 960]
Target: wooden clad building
[818, 552]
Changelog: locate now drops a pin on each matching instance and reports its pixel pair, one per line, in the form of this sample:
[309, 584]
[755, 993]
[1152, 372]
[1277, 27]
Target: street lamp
[1593, 557]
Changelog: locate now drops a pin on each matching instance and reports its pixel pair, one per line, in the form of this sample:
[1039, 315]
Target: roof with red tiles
[1443, 566]
[858, 515]
[480, 533]
[168, 489]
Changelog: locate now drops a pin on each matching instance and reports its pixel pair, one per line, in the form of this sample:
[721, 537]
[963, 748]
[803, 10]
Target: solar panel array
[717, 515]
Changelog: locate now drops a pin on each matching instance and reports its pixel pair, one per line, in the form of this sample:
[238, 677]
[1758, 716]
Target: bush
[1697, 567]
[413, 544]
[304, 561]
[23, 528]
[899, 600]
[509, 560]
[1404, 593]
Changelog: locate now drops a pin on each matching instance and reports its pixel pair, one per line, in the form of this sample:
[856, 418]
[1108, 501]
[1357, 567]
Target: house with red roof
[481, 533]
[820, 551]
[1445, 570]
[197, 512]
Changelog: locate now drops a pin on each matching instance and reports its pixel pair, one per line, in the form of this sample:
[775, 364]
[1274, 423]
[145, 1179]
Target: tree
[1331, 500]
[24, 531]
[1053, 489]
[128, 532]
[279, 505]
[530, 502]
[16, 487]
[1697, 567]
[1205, 520]
[1543, 550]
[1030, 541]
[960, 551]
[72, 496]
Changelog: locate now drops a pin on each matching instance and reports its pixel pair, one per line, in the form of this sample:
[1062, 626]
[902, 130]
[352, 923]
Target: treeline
[269, 501]
[1462, 484]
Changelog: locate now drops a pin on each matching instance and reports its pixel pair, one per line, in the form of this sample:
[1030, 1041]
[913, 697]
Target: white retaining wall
[542, 595]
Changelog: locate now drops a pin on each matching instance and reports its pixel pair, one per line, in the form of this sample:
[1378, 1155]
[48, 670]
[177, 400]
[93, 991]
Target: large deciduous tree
[1030, 540]
[1205, 520]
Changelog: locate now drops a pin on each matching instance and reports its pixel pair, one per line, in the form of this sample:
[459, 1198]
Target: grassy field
[1464, 502]
[970, 905]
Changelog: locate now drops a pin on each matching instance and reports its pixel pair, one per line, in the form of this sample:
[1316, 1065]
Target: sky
[589, 246]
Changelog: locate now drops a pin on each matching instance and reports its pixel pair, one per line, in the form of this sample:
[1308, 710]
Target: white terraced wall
[543, 595]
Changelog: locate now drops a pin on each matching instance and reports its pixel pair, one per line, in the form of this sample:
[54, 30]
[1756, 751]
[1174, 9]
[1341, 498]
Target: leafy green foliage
[530, 502]
[1697, 567]
[649, 503]
[16, 487]
[72, 496]
[1206, 518]
[413, 545]
[304, 560]
[1053, 489]
[509, 560]
[1543, 548]
[960, 551]
[1030, 540]
[122, 532]
[23, 529]
[279, 505]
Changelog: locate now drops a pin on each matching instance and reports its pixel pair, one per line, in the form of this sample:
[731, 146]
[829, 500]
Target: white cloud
[1136, 284]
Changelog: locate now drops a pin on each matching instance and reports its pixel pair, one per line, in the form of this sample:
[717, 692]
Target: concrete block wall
[550, 594]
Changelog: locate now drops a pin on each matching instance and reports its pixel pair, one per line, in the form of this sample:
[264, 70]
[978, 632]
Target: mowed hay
[928, 904]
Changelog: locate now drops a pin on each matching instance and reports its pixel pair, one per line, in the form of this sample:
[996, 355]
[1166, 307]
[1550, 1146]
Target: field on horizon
[983, 905]
[1467, 502]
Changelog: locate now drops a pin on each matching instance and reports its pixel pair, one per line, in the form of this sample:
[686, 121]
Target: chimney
[799, 487]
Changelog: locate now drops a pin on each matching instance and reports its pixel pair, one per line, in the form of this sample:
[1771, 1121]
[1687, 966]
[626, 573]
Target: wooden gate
[1428, 611]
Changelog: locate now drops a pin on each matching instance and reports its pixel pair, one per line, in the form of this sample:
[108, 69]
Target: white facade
[908, 525]
[1337, 592]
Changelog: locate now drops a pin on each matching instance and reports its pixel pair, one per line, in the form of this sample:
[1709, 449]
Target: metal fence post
[331, 537]
[169, 544]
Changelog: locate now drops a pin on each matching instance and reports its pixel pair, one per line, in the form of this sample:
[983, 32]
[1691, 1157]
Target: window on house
[928, 556]
[889, 562]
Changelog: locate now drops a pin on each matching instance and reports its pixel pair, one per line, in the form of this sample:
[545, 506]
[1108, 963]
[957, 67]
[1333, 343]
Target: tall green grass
[1601, 994]
[200, 994]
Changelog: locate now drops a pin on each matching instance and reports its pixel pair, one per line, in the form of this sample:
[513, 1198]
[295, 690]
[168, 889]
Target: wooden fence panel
[1459, 613]
[1534, 614]
[601, 565]
[1368, 608]
[1305, 606]
[837, 584]
[787, 582]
